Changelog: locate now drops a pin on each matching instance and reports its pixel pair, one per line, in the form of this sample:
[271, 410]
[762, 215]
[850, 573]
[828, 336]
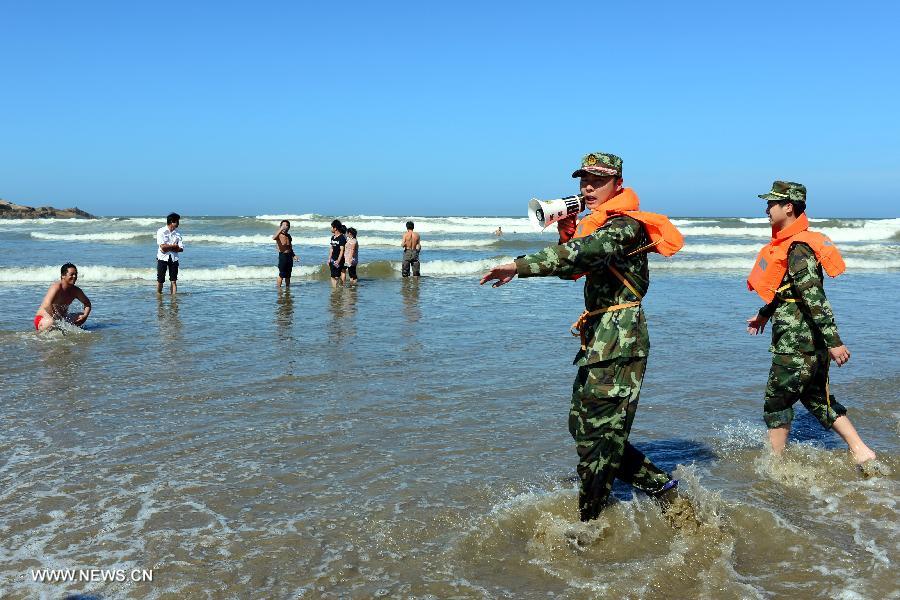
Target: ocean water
[408, 438]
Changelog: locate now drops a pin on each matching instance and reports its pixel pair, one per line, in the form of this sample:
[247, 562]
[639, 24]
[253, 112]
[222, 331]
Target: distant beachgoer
[499, 232]
[55, 305]
[170, 245]
[412, 245]
[286, 256]
[788, 277]
[351, 253]
[336, 253]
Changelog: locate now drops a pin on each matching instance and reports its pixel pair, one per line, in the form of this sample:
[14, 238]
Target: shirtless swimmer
[59, 297]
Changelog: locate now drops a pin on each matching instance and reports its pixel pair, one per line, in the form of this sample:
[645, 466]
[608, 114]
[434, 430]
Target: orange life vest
[664, 236]
[772, 261]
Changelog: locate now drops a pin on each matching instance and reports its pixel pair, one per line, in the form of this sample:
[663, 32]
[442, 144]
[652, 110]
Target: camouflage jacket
[803, 321]
[611, 334]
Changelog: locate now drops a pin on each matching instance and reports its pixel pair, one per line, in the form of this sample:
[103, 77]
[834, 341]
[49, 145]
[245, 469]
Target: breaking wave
[376, 269]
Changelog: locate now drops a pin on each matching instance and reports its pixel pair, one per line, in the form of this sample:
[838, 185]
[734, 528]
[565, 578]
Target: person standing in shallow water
[615, 340]
[170, 244]
[286, 256]
[412, 245]
[336, 252]
[351, 254]
[788, 277]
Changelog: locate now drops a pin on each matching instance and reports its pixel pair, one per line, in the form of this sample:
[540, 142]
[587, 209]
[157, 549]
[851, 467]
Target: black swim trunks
[162, 266]
[285, 264]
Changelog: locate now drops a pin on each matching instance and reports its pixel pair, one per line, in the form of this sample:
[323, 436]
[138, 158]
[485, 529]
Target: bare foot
[862, 455]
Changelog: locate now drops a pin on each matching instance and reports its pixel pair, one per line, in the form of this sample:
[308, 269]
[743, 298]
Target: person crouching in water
[609, 246]
[60, 295]
[788, 276]
[286, 256]
[351, 254]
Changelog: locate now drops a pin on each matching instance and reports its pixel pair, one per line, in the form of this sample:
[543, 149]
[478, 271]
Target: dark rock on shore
[8, 210]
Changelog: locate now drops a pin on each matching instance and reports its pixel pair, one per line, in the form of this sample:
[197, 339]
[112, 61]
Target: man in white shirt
[170, 244]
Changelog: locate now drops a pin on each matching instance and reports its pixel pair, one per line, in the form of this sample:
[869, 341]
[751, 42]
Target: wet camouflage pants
[604, 400]
[800, 377]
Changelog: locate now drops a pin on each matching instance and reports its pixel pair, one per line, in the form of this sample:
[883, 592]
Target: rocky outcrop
[8, 210]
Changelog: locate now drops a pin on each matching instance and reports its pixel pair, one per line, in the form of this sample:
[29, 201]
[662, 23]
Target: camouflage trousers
[802, 377]
[604, 400]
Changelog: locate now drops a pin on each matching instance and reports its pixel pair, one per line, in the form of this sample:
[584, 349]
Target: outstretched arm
[582, 255]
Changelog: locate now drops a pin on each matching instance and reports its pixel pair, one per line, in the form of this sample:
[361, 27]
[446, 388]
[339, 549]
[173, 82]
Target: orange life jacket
[772, 261]
[664, 236]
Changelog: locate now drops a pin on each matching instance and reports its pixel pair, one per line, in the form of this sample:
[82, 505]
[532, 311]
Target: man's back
[411, 241]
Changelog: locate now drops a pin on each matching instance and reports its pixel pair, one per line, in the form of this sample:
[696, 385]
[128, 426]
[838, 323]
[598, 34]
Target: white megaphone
[543, 213]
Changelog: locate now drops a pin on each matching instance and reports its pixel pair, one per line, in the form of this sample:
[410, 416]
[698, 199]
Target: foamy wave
[765, 220]
[744, 264]
[142, 221]
[113, 236]
[365, 241]
[88, 274]
[459, 267]
[279, 218]
[45, 221]
[880, 229]
[686, 222]
[746, 249]
[483, 225]
[752, 249]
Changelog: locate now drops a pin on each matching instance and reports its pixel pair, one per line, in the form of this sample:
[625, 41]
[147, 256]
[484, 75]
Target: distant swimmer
[787, 275]
[499, 232]
[286, 256]
[412, 246]
[170, 244]
[55, 306]
[610, 246]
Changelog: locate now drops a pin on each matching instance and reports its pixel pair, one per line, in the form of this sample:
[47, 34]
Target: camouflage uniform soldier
[804, 334]
[615, 344]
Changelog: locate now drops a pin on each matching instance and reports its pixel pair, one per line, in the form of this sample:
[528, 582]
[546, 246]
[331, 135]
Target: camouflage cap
[600, 163]
[788, 191]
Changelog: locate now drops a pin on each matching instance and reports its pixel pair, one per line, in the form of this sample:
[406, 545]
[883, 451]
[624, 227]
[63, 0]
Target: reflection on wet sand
[284, 312]
[342, 304]
[410, 290]
[167, 318]
[63, 352]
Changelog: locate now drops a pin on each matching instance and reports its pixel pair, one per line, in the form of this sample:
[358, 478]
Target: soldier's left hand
[839, 355]
[502, 273]
[756, 325]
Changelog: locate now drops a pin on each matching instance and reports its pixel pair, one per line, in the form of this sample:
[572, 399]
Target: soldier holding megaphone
[610, 247]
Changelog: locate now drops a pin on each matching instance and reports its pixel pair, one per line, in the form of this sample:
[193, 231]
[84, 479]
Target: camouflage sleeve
[769, 309]
[582, 255]
[807, 282]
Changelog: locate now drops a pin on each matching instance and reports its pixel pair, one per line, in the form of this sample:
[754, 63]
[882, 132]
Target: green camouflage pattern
[600, 163]
[786, 191]
[620, 333]
[802, 377]
[604, 402]
[807, 325]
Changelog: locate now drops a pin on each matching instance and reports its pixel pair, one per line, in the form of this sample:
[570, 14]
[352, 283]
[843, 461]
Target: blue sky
[445, 108]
